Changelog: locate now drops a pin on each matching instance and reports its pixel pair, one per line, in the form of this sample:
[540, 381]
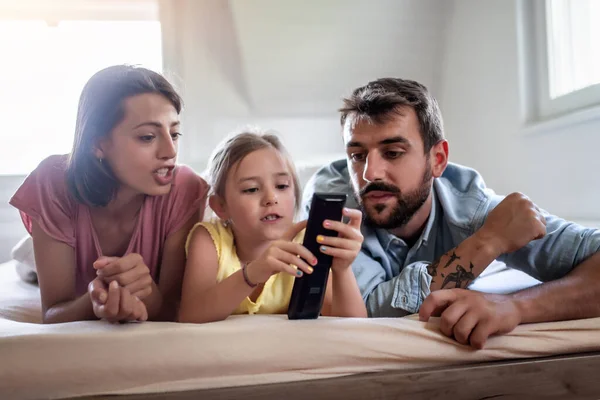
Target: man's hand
[514, 223]
[471, 317]
[130, 272]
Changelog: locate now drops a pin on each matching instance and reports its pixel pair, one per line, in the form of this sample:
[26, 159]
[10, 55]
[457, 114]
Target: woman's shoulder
[53, 168]
[47, 180]
[43, 197]
[186, 198]
[184, 175]
[187, 188]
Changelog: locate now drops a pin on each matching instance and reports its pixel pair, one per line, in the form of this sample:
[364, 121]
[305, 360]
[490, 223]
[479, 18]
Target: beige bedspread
[86, 358]
[19, 301]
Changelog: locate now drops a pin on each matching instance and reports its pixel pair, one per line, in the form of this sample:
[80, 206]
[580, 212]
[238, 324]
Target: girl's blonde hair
[233, 150]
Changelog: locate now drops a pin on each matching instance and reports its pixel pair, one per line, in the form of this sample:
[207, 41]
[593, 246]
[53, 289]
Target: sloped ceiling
[295, 58]
[300, 57]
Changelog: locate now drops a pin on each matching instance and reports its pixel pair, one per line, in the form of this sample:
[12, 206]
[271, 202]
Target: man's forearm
[575, 296]
[461, 265]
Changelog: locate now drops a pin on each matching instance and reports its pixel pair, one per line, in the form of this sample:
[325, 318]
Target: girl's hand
[346, 246]
[281, 256]
[130, 272]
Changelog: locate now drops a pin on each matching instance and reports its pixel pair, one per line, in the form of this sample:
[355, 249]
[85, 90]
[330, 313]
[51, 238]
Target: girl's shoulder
[213, 230]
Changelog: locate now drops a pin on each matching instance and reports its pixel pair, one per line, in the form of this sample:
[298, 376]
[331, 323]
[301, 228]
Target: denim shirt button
[404, 299]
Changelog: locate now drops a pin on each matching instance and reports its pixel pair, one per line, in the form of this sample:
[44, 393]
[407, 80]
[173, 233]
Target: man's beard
[406, 204]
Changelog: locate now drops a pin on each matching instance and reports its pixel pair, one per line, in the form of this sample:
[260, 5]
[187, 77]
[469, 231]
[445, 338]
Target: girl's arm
[346, 300]
[203, 299]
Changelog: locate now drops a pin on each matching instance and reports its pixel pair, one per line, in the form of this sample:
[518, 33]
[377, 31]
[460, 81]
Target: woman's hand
[114, 303]
[130, 272]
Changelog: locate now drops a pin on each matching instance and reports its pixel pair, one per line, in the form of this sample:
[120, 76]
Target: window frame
[547, 108]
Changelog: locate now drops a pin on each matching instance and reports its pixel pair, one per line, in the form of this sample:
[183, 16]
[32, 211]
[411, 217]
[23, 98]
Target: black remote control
[309, 290]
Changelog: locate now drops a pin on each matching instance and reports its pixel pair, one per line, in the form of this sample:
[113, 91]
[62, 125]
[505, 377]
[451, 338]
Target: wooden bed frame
[575, 376]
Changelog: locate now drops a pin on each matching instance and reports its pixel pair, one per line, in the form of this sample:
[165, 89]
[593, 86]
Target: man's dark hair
[380, 100]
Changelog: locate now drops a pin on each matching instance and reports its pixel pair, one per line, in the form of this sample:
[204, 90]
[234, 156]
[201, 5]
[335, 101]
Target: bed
[271, 357]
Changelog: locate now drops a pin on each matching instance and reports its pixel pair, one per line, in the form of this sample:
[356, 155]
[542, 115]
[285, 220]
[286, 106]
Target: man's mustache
[380, 187]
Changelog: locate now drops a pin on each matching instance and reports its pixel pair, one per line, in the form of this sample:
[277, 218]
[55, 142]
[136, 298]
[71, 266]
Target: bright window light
[573, 34]
[43, 71]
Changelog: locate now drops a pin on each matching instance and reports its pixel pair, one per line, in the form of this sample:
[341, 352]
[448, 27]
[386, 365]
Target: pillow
[22, 253]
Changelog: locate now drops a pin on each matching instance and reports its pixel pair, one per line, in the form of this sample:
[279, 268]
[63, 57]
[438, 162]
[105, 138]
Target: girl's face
[141, 150]
[259, 197]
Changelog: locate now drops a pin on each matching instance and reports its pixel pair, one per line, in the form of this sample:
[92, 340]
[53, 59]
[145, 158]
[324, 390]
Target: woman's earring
[227, 222]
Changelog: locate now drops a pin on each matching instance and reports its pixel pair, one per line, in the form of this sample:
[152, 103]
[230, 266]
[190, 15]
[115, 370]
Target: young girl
[109, 221]
[246, 262]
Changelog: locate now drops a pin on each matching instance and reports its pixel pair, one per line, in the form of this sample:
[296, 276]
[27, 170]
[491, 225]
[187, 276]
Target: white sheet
[91, 358]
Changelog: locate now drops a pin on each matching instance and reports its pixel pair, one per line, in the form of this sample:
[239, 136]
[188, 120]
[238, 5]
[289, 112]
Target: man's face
[390, 172]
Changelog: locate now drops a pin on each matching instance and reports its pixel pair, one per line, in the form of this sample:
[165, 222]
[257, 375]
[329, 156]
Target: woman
[109, 221]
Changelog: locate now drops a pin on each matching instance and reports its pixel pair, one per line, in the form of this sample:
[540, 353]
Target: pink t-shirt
[45, 199]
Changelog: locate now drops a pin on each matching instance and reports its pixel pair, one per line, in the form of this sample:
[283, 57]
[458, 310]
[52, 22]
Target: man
[432, 225]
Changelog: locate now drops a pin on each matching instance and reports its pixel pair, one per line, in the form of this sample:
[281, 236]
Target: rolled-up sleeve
[565, 245]
[395, 297]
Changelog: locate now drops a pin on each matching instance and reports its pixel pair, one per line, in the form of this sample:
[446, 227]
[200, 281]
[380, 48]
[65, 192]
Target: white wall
[482, 107]
[312, 142]
[285, 65]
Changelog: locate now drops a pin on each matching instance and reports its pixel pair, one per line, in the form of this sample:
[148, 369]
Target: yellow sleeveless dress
[275, 296]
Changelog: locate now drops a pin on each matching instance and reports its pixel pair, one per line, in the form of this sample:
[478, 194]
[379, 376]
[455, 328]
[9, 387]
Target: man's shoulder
[333, 177]
[463, 195]
[462, 180]
[334, 173]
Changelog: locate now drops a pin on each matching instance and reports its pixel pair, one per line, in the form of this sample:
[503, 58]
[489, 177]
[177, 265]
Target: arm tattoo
[432, 268]
[453, 257]
[461, 278]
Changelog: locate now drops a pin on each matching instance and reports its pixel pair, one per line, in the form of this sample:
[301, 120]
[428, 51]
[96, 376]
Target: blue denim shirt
[393, 277]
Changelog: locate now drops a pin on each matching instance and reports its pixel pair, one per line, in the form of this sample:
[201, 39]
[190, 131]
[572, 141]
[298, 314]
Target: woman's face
[142, 149]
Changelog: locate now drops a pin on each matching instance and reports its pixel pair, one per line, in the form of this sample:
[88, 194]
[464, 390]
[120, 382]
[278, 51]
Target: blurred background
[518, 81]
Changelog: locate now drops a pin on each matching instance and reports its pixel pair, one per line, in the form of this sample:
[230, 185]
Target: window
[43, 70]
[573, 45]
[568, 59]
